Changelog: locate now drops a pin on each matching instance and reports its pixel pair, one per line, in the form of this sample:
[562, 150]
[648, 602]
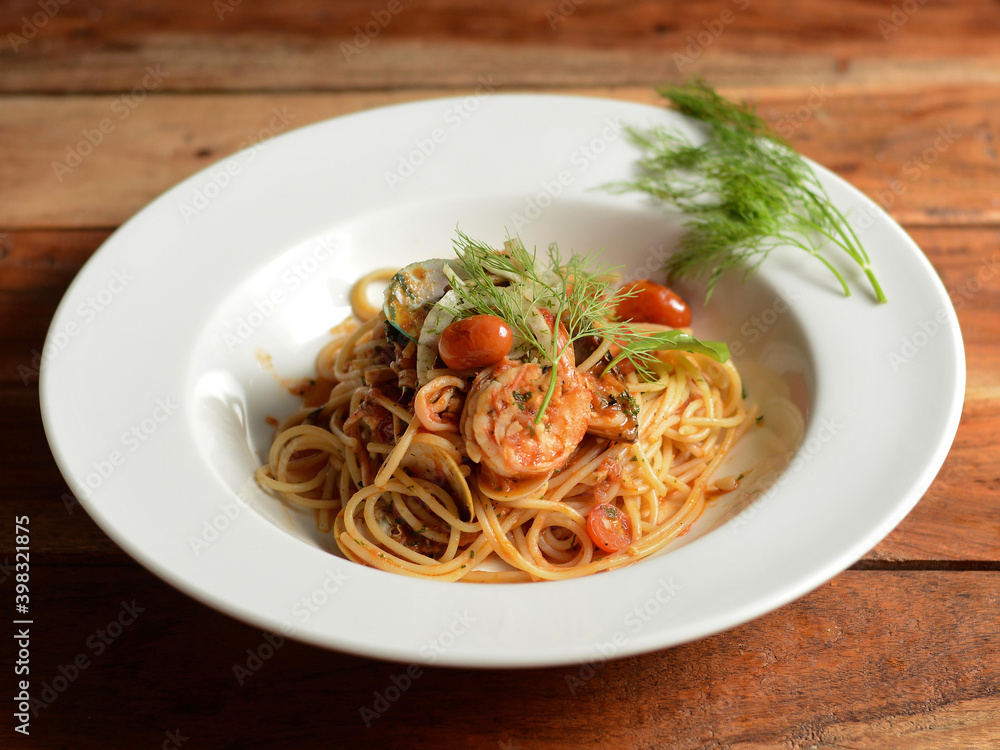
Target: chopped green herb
[521, 397]
[629, 404]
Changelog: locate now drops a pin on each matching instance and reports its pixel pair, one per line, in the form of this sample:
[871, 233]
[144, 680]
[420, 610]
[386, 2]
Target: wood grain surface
[898, 150]
[306, 45]
[851, 665]
[900, 98]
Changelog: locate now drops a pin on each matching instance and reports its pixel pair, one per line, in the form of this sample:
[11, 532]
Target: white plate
[154, 390]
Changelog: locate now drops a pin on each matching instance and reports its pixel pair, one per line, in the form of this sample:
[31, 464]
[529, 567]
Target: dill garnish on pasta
[509, 416]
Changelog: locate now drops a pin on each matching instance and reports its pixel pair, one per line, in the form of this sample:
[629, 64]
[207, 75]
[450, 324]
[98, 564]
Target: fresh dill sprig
[744, 189]
[577, 293]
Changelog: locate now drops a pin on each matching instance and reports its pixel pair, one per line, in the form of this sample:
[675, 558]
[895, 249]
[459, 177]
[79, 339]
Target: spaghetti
[523, 470]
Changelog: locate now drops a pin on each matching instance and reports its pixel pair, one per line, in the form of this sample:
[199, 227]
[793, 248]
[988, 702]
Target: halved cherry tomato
[479, 341]
[608, 527]
[654, 303]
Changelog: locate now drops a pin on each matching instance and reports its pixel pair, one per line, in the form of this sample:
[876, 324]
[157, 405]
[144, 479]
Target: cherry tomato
[624, 366]
[479, 341]
[608, 527]
[655, 303]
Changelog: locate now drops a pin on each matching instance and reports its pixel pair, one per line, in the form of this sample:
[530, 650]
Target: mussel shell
[411, 294]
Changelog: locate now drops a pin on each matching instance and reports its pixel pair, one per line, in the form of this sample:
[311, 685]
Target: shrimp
[498, 422]
[614, 411]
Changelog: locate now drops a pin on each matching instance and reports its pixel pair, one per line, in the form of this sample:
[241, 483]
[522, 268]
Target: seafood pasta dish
[509, 416]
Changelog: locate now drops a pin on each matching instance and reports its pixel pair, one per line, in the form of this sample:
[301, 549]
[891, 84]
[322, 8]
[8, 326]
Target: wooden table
[900, 651]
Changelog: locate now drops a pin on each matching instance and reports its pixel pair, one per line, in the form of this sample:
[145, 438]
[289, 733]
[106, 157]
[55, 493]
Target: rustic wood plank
[229, 45]
[956, 521]
[36, 268]
[965, 490]
[960, 27]
[928, 161]
[902, 660]
[957, 518]
[164, 139]
[254, 63]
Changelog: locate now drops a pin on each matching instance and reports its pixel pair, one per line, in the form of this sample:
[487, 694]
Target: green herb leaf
[512, 285]
[744, 189]
[629, 404]
[641, 351]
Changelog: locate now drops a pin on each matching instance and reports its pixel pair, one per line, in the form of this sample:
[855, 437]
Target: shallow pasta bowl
[155, 406]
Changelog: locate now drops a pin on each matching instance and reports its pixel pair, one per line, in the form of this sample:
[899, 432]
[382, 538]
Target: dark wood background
[900, 651]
